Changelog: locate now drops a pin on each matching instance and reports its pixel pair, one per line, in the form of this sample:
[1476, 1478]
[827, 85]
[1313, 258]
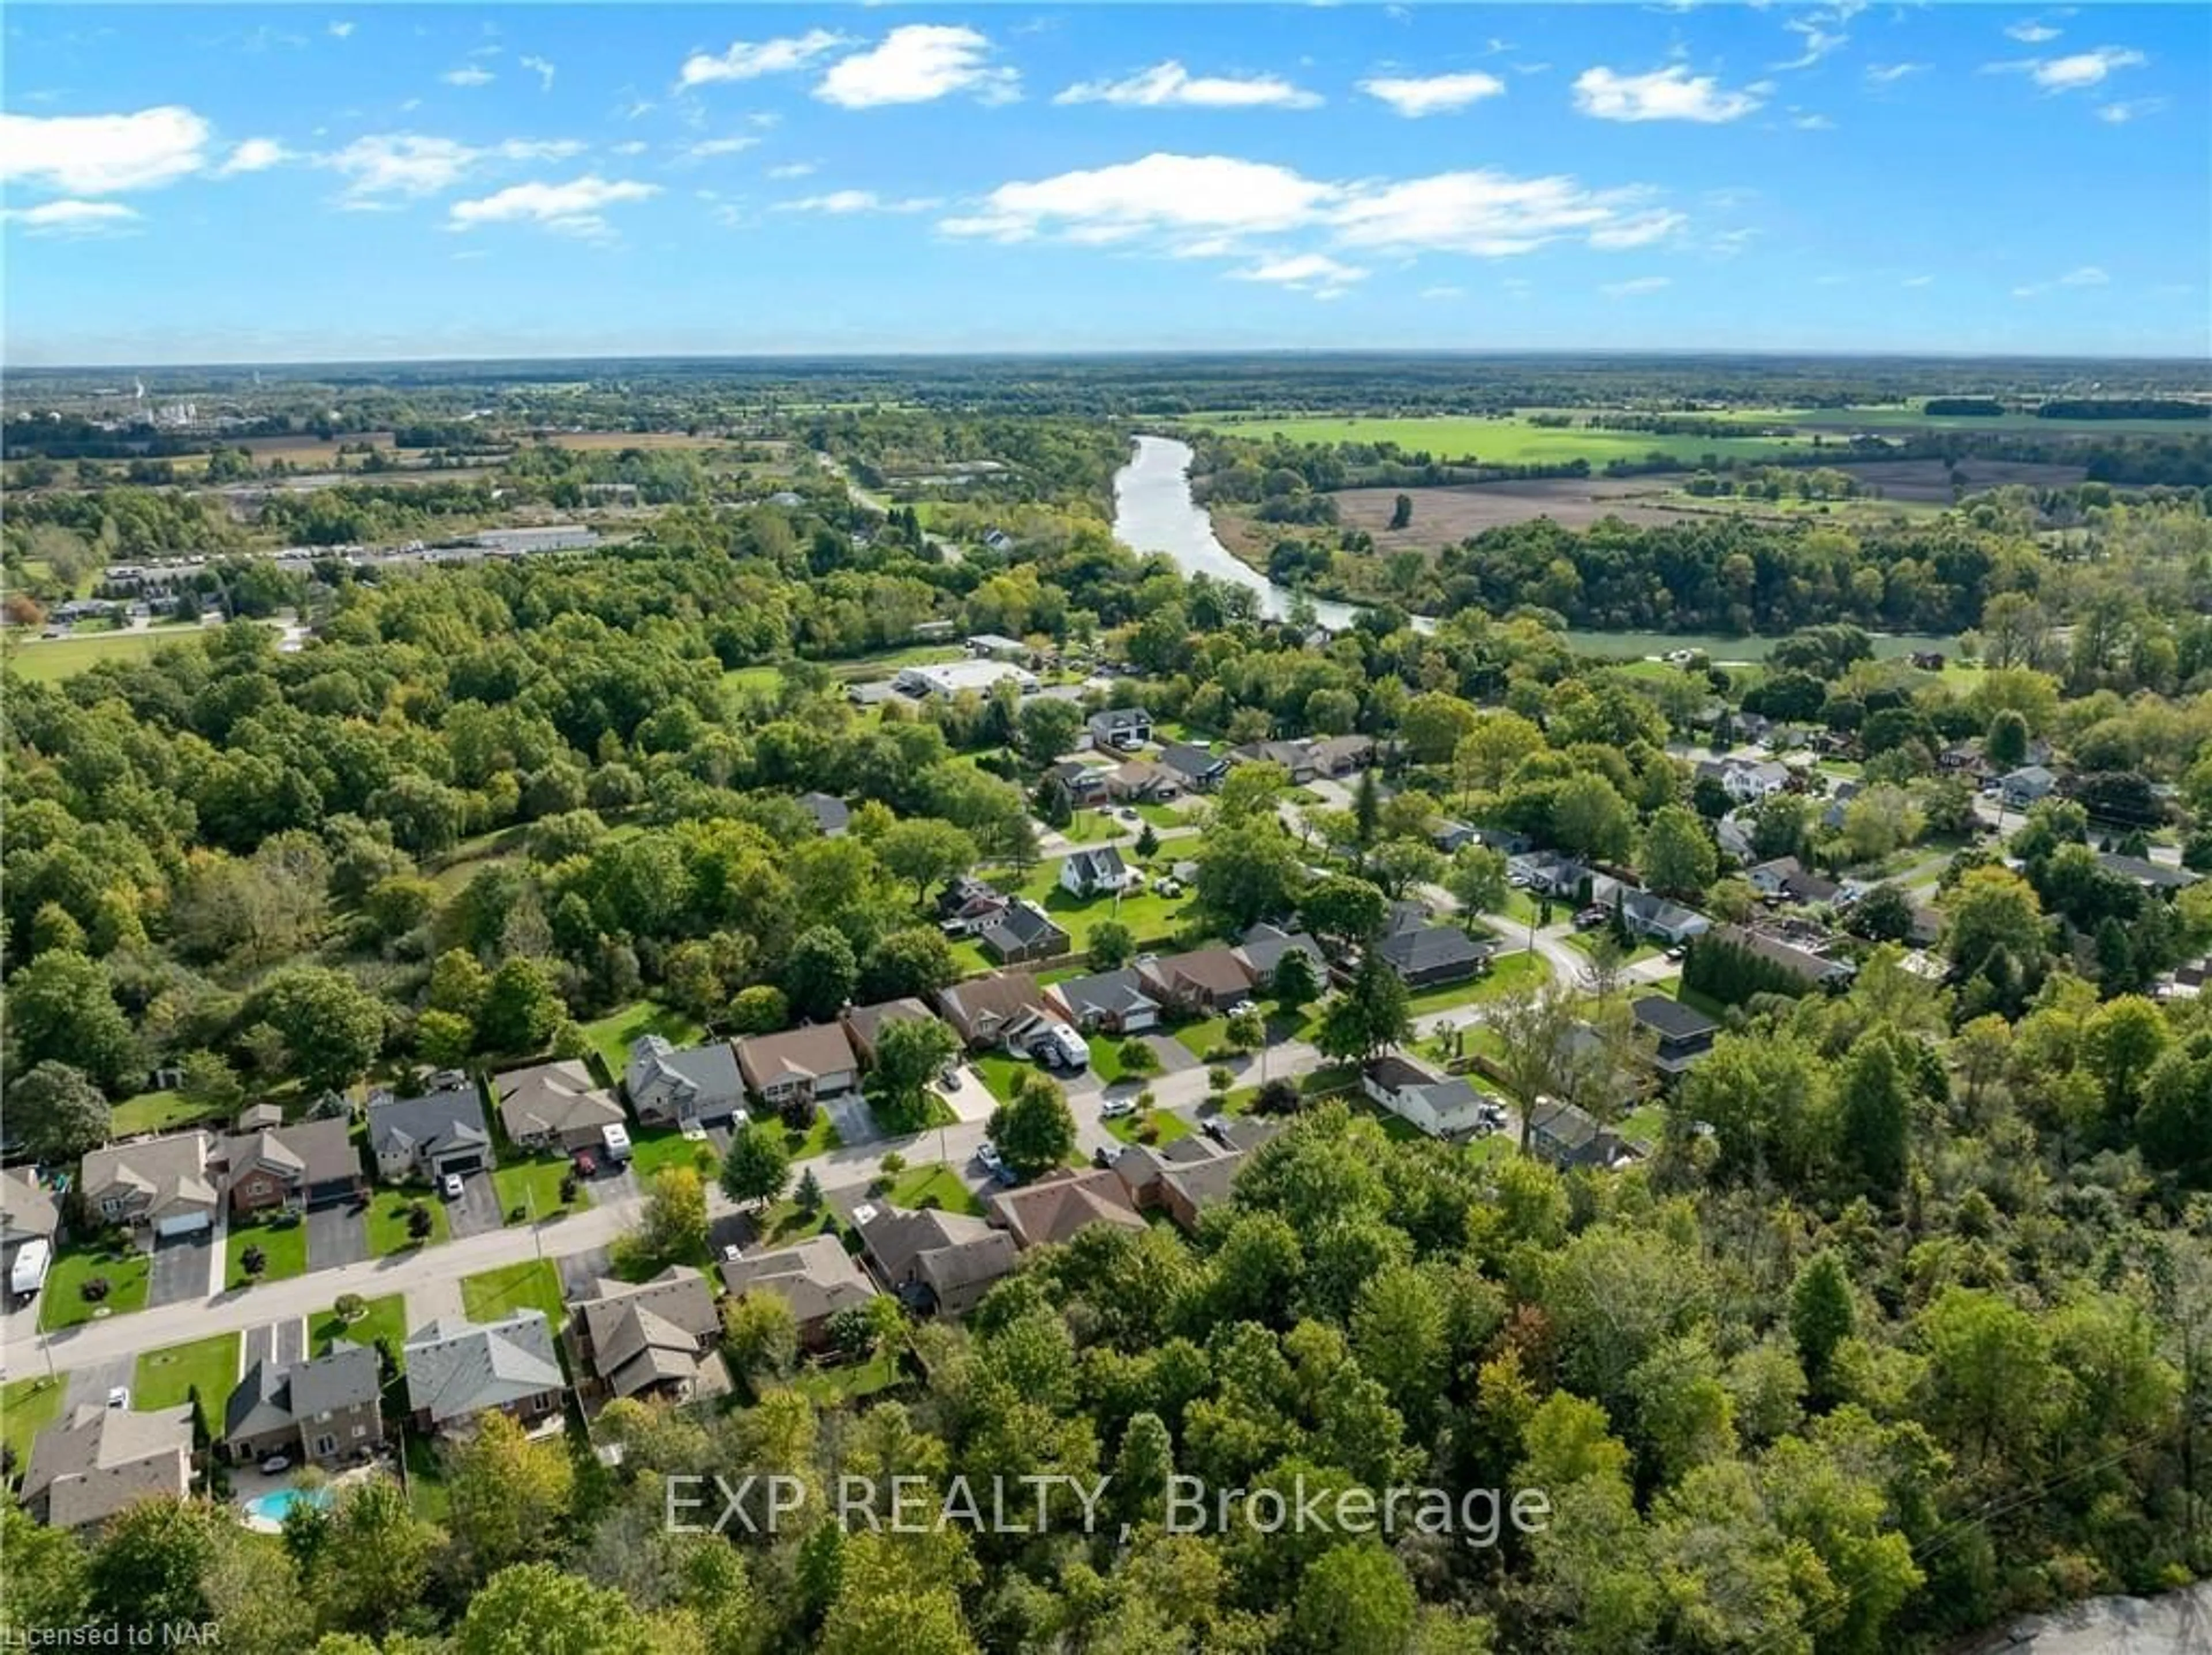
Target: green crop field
[1501, 441]
[48, 660]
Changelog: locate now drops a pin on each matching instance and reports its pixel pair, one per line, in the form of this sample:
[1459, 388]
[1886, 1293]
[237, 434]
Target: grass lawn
[999, 1072]
[611, 1037]
[1163, 816]
[970, 959]
[1521, 908]
[62, 1305]
[26, 1407]
[654, 1151]
[534, 1188]
[384, 1319]
[387, 1220]
[426, 1478]
[154, 1111]
[166, 1379]
[533, 1284]
[1497, 1147]
[48, 660]
[1642, 1125]
[1167, 1127]
[826, 1387]
[1511, 971]
[1505, 440]
[1090, 827]
[936, 1182]
[1586, 942]
[283, 1246]
[819, 1138]
[1395, 1128]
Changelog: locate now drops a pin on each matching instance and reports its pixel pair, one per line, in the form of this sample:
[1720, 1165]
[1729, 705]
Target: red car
[586, 1166]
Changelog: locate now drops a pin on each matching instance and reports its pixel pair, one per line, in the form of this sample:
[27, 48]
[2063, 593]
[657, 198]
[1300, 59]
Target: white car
[987, 1154]
[1117, 1108]
[276, 1465]
[452, 1186]
[733, 1252]
[120, 1397]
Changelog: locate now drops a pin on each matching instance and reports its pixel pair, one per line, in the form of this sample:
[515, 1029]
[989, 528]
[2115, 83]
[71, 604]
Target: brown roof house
[1185, 1177]
[1052, 1208]
[1141, 781]
[935, 1262]
[798, 1064]
[160, 1187]
[654, 1338]
[1204, 980]
[325, 1410]
[864, 1025]
[817, 1277]
[309, 1164]
[986, 1011]
[554, 1106]
[86, 1468]
[457, 1369]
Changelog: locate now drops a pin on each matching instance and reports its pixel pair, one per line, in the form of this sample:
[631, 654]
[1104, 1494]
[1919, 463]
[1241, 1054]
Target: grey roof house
[938, 1262]
[1021, 931]
[440, 1132]
[160, 1187]
[670, 1086]
[90, 1465]
[830, 814]
[817, 1277]
[1197, 767]
[1422, 955]
[1120, 726]
[555, 1105]
[307, 1163]
[1116, 1002]
[323, 1411]
[654, 1338]
[457, 1369]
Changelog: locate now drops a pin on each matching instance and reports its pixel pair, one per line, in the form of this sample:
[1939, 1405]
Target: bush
[419, 1221]
[253, 1261]
[350, 1307]
[93, 1290]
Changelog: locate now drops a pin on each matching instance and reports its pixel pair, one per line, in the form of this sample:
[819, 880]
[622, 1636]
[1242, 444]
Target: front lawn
[819, 1138]
[532, 1189]
[283, 1248]
[62, 1303]
[387, 1220]
[1091, 827]
[167, 1378]
[611, 1036]
[533, 1284]
[937, 1184]
[1642, 1125]
[1507, 972]
[1586, 942]
[384, 1319]
[1167, 1126]
[26, 1408]
[999, 1072]
[667, 1147]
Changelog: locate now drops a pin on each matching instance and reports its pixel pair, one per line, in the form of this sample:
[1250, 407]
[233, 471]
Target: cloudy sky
[283, 182]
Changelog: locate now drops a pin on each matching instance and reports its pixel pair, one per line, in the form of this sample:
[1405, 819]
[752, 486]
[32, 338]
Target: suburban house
[90, 1464]
[1086, 783]
[1185, 1177]
[554, 1106]
[693, 1085]
[1205, 980]
[311, 1164]
[654, 1338]
[864, 1025]
[1787, 880]
[1442, 1105]
[936, 1262]
[1569, 1137]
[1810, 970]
[440, 1132]
[1426, 955]
[1295, 757]
[1113, 1002]
[2023, 786]
[457, 1369]
[1142, 781]
[1962, 758]
[29, 1220]
[1744, 779]
[1340, 755]
[1198, 769]
[322, 1411]
[1650, 914]
[1022, 931]
[160, 1187]
[1054, 1208]
[1088, 872]
[966, 904]
[983, 1011]
[1685, 1033]
[830, 814]
[1126, 728]
[817, 1277]
[811, 1063]
[1547, 872]
[1265, 945]
[2159, 877]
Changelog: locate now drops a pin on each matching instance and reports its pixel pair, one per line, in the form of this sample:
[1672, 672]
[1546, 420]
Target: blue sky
[283, 182]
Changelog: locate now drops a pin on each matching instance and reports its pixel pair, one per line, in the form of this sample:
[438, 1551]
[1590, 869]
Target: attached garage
[182, 1224]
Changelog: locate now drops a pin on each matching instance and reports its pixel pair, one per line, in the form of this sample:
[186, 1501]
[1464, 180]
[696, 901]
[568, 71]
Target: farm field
[49, 661]
[1502, 442]
[1635, 645]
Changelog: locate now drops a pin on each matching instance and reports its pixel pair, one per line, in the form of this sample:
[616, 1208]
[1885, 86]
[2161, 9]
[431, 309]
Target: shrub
[94, 1289]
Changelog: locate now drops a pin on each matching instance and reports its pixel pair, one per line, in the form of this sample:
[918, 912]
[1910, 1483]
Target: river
[1153, 511]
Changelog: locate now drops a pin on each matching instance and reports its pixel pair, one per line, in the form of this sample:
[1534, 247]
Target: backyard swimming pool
[271, 1508]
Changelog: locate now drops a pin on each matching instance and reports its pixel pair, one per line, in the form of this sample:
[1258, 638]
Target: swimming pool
[271, 1508]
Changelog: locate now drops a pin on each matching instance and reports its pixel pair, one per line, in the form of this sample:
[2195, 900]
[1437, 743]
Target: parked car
[587, 1165]
[1117, 1109]
[1216, 1128]
[986, 1154]
[1591, 916]
[1128, 814]
[276, 1465]
[451, 1185]
[120, 1397]
[733, 1253]
[1680, 951]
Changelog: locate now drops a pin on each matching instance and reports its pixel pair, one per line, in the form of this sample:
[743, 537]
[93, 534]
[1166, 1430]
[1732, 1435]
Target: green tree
[373, 1568]
[537, 1608]
[1247, 872]
[910, 1053]
[1356, 1600]
[1034, 1130]
[820, 974]
[1295, 983]
[61, 1007]
[761, 1332]
[508, 1496]
[889, 1602]
[331, 1027]
[1876, 1115]
[1049, 727]
[522, 1008]
[758, 1166]
[1368, 1017]
[1345, 912]
[1591, 818]
[150, 1564]
[1476, 880]
[1989, 1374]
[58, 1113]
[673, 1223]
[927, 852]
[1678, 857]
[1821, 1314]
[1113, 945]
[2005, 745]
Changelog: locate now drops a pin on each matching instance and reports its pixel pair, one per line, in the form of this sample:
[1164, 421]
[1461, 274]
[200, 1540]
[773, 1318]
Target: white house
[1089, 871]
[1443, 1106]
[1745, 780]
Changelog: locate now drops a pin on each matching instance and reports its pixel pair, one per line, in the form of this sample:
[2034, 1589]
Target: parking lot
[337, 1235]
[180, 1270]
[475, 1210]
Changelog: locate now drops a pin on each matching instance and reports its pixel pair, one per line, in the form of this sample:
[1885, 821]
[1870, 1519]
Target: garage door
[184, 1224]
[461, 1164]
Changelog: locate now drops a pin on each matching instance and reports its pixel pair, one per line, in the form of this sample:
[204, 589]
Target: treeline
[1956, 407]
[2122, 408]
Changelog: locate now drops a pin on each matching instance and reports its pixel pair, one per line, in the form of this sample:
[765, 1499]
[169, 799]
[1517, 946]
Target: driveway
[337, 1235]
[849, 1113]
[1175, 1056]
[476, 1209]
[580, 1272]
[180, 1270]
[968, 1098]
[91, 1385]
[280, 1342]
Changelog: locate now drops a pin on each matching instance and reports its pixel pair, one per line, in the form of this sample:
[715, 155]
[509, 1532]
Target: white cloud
[340, 31]
[631, 147]
[1641, 284]
[102, 155]
[2089, 275]
[1485, 214]
[1444, 292]
[1433, 95]
[1171, 85]
[857, 201]
[468, 75]
[573, 209]
[707, 149]
[1813, 123]
[2128, 109]
[409, 164]
[72, 217]
[748, 60]
[790, 169]
[1639, 230]
[1917, 282]
[1890, 74]
[1671, 94]
[2074, 72]
[543, 68]
[1162, 192]
[1822, 32]
[2033, 33]
[918, 62]
[254, 156]
[1305, 272]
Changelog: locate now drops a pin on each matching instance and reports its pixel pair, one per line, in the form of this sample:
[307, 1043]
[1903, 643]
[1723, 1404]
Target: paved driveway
[855, 1122]
[180, 1270]
[91, 1385]
[337, 1235]
[968, 1097]
[476, 1209]
[580, 1272]
[281, 1342]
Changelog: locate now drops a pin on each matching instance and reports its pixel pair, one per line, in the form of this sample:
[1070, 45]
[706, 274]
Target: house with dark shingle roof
[1264, 946]
[1295, 757]
[1055, 1207]
[937, 1262]
[670, 1086]
[457, 1369]
[864, 1025]
[1685, 1033]
[2161, 877]
[556, 1105]
[1086, 783]
[1185, 1177]
[96, 1461]
[1426, 955]
[1142, 781]
[1335, 754]
[1205, 980]
[1569, 1137]
[817, 1277]
[323, 1411]
[654, 1338]
[1199, 768]
[1116, 1002]
[984, 1011]
[441, 1131]
[309, 1164]
[830, 814]
[1123, 728]
[1441, 1105]
[1022, 931]
[966, 904]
